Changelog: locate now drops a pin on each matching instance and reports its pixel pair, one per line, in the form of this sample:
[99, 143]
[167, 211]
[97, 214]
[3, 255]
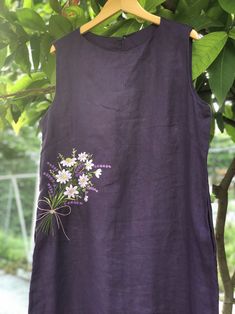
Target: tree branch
[30, 92]
[229, 121]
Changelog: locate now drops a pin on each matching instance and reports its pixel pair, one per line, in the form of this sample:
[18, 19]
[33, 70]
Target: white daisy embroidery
[89, 164]
[82, 156]
[63, 176]
[86, 198]
[98, 173]
[71, 191]
[83, 180]
[68, 162]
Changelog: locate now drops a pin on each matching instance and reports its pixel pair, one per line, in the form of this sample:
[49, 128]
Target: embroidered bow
[49, 213]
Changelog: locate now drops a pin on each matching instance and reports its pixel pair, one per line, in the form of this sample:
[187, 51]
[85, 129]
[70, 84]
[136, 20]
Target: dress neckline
[123, 43]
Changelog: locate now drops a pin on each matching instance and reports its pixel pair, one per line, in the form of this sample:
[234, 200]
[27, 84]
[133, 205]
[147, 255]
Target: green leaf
[49, 67]
[42, 106]
[30, 19]
[222, 72]
[126, 27]
[202, 22]
[195, 7]
[219, 120]
[195, 14]
[15, 112]
[6, 33]
[59, 26]
[228, 112]
[150, 5]
[216, 12]
[212, 128]
[55, 5]
[3, 45]
[3, 89]
[109, 26]
[232, 33]
[198, 21]
[10, 59]
[20, 32]
[182, 6]
[228, 5]
[205, 50]
[8, 116]
[3, 8]
[167, 14]
[35, 50]
[22, 121]
[45, 44]
[25, 82]
[40, 83]
[3, 55]
[101, 2]
[22, 58]
[3, 111]
[28, 4]
[95, 6]
[75, 15]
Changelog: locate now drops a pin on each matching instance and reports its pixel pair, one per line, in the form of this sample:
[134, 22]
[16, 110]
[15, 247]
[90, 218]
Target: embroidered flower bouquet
[69, 183]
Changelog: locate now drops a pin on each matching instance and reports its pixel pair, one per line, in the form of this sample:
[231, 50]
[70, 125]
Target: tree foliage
[28, 28]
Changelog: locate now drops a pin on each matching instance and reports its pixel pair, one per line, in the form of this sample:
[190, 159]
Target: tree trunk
[221, 193]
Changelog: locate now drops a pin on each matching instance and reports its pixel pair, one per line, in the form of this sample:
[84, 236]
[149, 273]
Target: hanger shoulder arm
[194, 34]
[52, 49]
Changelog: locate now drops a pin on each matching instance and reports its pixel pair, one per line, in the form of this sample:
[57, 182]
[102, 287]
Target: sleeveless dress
[124, 219]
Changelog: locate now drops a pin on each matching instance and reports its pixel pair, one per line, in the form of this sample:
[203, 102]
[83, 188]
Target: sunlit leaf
[25, 81]
[222, 72]
[205, 50]
[27, 3]
[30, 19]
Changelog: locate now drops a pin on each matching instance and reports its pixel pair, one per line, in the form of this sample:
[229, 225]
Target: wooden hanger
[111, 7]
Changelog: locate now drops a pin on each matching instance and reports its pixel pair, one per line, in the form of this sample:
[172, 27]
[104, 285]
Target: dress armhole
[189, 49]
[56, 43]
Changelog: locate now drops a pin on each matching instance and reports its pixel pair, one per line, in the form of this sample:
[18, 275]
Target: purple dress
[124, 219]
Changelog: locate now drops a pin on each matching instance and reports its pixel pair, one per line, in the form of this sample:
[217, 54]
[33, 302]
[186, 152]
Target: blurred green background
[27, 85]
